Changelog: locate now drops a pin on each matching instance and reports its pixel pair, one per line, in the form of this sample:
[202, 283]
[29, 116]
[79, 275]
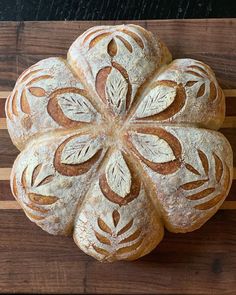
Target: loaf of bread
[118, 142]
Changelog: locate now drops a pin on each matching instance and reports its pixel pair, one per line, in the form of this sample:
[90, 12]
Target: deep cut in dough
[117, 142]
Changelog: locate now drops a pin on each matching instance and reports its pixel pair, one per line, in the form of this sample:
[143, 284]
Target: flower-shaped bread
[117, 142]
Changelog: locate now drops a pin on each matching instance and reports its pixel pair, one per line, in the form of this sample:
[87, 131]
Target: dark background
[114, 9]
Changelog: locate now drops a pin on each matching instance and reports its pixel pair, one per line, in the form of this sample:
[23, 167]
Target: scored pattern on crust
[115, 62]
[77, 154]
[112, 82]
[16, 104]
[114, 85]
[164, 100]
[70, 106]
[209, 191]
[119, 183]
[34, 204]
[157, 148]
[173, 92]
[124, 241]
[97, 35]
[200, 74]
[46, 97]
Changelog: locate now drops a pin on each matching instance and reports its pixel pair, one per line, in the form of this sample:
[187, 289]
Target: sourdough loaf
[117, 142]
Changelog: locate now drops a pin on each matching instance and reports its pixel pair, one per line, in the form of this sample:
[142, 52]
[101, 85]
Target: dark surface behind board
[114, 9]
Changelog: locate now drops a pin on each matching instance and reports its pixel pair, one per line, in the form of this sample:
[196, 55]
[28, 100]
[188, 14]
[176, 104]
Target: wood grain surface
[212, 41]
[32, 261]
[202, 262]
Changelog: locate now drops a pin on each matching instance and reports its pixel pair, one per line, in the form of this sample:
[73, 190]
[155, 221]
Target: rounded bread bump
[47, 97]
[186, 92]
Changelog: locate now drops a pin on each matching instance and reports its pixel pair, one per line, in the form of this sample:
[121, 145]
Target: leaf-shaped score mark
[79, 150]
[115, 217]
[114, 88]
[118, 175]
[125, 43]
[153, 148]
[37, 91]
[42, 200]
[190, 83]
[70, 107]
[103, 226]
[205, 165]
[112, 48]
[165, 99]
[24, 102]
[38, 177]
[202, 194]
[27, 74]
[35, 173]
[119, 183]
[218, 167]
[158, 149]
[192, 169]
[39, 212]
[213, 91]
[156, 101]
[125, 228]
[98, 38]
[102, 239]
[77, 154]
[132, 237]
[116, 91]
[76, 107]
[204, 160]
[201, 90]
[193, 184]
[196, 74]
[134, 36]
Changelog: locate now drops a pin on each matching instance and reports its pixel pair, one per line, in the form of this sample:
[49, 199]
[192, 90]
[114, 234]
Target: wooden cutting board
[33, 261]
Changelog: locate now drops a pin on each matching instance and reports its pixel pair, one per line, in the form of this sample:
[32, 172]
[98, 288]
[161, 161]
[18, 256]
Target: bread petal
[185, 92]
[114, 61]
[47, 97]
[49, 190]
[187, 197]
[113, 227]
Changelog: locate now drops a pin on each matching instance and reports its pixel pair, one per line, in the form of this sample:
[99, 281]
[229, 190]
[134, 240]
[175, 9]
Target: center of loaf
[114, 130]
